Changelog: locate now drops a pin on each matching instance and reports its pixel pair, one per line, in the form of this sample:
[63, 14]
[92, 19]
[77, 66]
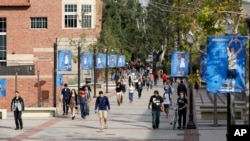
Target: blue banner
[121, 61]
[2, 87]
[112, 61]
[203, 67]
[179, 64]
[86, 60]
[59, 80]
[100, 61]
[64, 60]
[226, 64]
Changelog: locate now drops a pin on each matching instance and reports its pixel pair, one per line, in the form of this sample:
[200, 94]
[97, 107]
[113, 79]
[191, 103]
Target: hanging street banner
[64, 60]
[179, 64]
[226, 64]
[121, 61]
[203, 67]
[100, 61]
[86, 61]
[2, 87]
[112, 61]
[59, 80]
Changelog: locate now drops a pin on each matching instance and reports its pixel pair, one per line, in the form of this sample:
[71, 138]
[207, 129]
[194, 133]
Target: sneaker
[16, 128]
[179, 127]
[154, 127]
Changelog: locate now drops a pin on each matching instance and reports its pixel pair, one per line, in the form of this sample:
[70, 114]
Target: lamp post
[191, 124]
[94, 59]
[248, 24]
[106, 70]
[78, 65]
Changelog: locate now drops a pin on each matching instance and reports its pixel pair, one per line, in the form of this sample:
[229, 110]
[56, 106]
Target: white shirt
[166, 98]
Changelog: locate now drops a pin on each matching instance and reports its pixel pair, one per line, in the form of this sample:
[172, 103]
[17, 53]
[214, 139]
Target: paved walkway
[130, 121]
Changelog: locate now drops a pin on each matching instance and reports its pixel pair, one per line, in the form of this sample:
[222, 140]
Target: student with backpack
[167, 100]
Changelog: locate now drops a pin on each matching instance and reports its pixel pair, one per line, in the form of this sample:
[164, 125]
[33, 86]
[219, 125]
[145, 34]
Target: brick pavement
[130, 121]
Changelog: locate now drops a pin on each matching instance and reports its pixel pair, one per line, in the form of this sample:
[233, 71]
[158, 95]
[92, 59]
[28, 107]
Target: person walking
[156, 102]
[73, 102]
[88, 98]
[102, 104]
[17, 106]
[82, 97]
[131, 89]
[118, 90]
[181, 88]
[167, 100]
[182, 110]
[196, 87]
[65, 93]
[139, 88]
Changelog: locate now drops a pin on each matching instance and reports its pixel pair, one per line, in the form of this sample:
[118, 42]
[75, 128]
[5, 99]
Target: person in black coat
[181, 88]
[17, 105]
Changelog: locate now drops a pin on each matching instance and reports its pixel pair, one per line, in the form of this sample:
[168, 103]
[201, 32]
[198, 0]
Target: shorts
[103, 114]
[119, 93]
[166, 106]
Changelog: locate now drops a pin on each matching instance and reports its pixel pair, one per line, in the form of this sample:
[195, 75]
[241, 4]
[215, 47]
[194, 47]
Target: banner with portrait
[226, 64]
[179, 64]
[121, 61]
[86, 61]
[100, 61]
[64, 58]
[112, 61]
[2, 87]
[59, 80]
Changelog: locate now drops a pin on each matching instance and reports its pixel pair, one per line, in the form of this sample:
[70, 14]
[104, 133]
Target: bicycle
[174, 117]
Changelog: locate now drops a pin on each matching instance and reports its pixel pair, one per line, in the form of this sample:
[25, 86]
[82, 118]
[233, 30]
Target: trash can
[88, 80]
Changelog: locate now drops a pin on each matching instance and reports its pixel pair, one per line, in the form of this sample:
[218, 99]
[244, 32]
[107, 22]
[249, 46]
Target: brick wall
[39, 43]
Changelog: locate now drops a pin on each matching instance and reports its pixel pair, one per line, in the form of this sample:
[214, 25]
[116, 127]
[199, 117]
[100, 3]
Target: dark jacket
[20, 104]
[182, 88]
[102, 103]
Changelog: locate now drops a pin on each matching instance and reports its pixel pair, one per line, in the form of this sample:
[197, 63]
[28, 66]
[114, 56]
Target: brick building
[29, 29]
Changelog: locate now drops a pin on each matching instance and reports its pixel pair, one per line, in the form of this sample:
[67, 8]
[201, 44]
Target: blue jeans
[156, 118]
[130, 96]
[83, 108]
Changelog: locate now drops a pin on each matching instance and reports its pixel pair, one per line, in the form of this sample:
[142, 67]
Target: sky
[144, 2]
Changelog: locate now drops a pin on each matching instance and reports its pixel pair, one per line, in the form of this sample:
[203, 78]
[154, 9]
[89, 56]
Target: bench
[207, 112]
[3, 113]
[39, 112]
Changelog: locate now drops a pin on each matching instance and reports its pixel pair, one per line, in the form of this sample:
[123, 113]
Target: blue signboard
[64, 60]
[179, 64]
[59, 80]
[112, 61]
[101, 61]
[226, 64]
[2, 87]
[86, 60]
[203, 67]
[121, 61]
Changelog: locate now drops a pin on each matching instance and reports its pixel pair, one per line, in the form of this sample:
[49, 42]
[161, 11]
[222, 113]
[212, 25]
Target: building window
[78, 16]
[70, 21]
[70, 8]
[40, 22]
[86, 21]
[70, 16]
[2, 41]
[2, 25]
[86, 8]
